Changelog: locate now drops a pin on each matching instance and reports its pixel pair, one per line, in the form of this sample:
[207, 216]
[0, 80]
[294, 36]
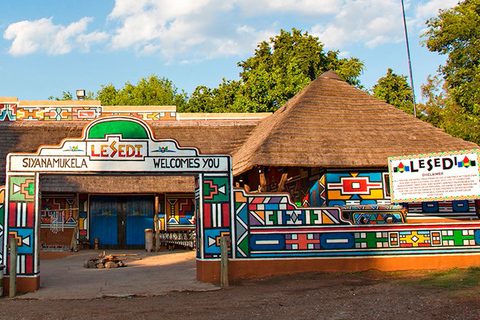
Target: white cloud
[370, 22]
[376, 22]
[304, 7]
[193, 30]
[425, 11]
[42, 35]
[86, 40]
[430, 9]
[203, 28]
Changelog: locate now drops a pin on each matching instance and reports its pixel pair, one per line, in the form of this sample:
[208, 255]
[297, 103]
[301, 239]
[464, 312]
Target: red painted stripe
[225, 215]
[12, 214]
[30, 214]
[207, 215]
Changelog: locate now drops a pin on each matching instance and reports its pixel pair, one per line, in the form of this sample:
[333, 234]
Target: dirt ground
[368, 295]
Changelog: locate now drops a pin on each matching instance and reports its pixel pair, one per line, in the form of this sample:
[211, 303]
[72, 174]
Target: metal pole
[13, 268]
[409, 62]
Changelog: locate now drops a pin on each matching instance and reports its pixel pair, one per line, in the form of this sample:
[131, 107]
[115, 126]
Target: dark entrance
[120, 221]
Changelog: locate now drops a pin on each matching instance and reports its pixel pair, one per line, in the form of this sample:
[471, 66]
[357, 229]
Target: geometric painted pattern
[257, 237]
[212, 241]
[353, 188]
[216, 189]
[21, 221]
[8, 112]
[24, 239]
[276, 210]
[14, 112]
[268, 212]
[442, 211]
[216, 212]
[54, 207]
[322, 242]
[22, 188]
[377, 218]
[39, 113]
[180, 212]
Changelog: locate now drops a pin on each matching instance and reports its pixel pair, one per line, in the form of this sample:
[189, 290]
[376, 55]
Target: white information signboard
[435, 177]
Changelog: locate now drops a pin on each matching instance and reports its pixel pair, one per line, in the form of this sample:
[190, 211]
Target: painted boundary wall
[270, 235]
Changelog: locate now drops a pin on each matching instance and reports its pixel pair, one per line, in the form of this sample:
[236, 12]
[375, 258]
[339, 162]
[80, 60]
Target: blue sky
[51, 46]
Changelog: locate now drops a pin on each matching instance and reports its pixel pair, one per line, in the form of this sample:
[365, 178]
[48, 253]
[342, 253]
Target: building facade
[291, 171]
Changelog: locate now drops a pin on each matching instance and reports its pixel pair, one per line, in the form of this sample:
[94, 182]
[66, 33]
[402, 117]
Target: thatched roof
[212, 137]
[331, 124]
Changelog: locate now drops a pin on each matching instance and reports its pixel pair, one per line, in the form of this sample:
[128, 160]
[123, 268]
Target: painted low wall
[209, 271]
[271, 236]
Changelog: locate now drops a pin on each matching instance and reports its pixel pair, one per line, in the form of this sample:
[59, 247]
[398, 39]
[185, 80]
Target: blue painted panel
[333, 203]
[212, 241]
[342, 240]
[430, 206]
[267, 242]
[460, 206]
[334, 177]
[139, 217]
[103, 223]
[374, 176]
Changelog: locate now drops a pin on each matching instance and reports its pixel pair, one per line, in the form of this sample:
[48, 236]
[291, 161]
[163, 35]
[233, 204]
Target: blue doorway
[120, 221]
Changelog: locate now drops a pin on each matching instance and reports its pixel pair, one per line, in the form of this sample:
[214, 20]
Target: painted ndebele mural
[17, 111]
[349, 224]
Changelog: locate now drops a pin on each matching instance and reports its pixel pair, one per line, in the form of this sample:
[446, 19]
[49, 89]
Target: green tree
[434, 92]
[148, 91]
[443, 112]
[456, 33]
[221, 99]
[282, 67]
[395, 90]
[279, 69]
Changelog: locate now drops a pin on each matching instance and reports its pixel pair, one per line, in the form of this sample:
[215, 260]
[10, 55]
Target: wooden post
[156, 225]
[13, 268]
[224, 262]
[281, 184]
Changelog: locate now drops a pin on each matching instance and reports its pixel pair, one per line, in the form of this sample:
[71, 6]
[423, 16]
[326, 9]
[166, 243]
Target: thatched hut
[329, 146]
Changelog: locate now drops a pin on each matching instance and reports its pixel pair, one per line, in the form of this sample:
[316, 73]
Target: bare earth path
[368, 295]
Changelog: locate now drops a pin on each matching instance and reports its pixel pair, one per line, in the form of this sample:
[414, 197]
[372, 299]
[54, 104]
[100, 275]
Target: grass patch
[452, 279]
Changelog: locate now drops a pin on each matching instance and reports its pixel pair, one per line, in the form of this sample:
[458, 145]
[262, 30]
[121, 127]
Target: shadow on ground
[155, 274]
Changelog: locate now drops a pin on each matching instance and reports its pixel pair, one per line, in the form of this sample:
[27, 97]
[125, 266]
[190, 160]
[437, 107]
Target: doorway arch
[117, 145]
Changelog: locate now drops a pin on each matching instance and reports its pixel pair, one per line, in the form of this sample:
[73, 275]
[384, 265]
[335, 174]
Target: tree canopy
[456, 33]
[279, 69]
[148, 91]
[395, 90]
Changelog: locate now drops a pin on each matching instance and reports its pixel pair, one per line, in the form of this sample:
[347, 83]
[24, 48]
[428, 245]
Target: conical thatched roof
[331, 124]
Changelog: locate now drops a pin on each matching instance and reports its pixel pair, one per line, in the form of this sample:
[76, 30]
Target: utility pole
[409, 62]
